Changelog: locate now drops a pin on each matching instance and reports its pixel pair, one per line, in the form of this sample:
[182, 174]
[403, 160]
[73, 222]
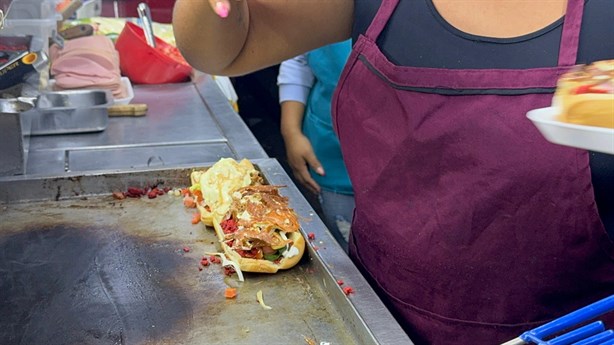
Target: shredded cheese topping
[261, 301]
[222, 180]
[228, 262]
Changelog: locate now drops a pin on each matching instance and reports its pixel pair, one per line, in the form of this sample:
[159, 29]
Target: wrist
[291, 119]
[288, 132]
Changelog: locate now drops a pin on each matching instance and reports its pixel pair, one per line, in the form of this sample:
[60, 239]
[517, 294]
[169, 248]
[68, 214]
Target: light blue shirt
[311, 79]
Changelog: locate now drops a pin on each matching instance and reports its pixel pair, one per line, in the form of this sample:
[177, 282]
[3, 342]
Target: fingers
[308, 182]
[314, 163]
[301, 157]
[312, 186]
[301, 173]
[220, 7]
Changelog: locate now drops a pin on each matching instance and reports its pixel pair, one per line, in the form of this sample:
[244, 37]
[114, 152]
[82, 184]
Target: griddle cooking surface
[69, 285]
[102, 271]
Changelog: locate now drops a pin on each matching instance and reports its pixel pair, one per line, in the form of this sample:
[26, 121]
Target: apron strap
[570, 38]
[381, 19]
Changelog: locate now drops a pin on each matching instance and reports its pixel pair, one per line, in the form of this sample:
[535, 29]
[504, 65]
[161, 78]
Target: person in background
[306, 86]
[470, 225]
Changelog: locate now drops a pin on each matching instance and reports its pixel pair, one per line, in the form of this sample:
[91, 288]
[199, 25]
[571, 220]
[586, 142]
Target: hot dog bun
[585, 95]
[263, 265]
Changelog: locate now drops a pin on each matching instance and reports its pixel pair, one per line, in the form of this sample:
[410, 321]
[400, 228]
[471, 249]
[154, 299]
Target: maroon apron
[471, 226]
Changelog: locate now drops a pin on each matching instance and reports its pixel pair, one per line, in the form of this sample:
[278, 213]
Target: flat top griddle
[80, 267]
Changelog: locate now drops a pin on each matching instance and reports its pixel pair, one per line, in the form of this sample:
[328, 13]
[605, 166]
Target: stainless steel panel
[136, 285]
[194, 113]
[50, 162]
[14, 136]
[55, 162]
[175, 114]
[145, 156]
[235, 130]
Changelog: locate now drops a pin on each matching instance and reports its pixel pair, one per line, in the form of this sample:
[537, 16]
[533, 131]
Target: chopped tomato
[198, 194]
[229, 226]
[196, 218]
[340, 282]
[214, 259]
[229, 270]
[589, 89]
[348, 290]
[311, 236]
[189, 202]
[253, 253]
[135, 191]
[186, 249]
[230, 292]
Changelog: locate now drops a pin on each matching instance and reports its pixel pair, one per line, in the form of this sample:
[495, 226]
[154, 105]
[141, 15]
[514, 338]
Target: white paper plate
[584, 137]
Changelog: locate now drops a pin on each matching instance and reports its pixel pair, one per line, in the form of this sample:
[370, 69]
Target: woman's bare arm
[256, 33]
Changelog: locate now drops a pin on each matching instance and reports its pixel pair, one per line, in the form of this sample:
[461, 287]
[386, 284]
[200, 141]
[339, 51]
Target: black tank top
[418, 36]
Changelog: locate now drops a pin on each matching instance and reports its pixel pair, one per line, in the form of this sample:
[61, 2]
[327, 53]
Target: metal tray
[79, 267]
[71, 111]
[15, 138]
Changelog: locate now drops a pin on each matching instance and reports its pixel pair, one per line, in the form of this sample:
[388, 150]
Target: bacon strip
[259, 211]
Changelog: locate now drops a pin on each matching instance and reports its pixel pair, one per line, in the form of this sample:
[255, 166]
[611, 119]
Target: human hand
[301, 157]
[220, 7]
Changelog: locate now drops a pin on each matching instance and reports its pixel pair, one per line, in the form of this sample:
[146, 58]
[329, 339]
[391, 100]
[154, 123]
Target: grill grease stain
[72, 285]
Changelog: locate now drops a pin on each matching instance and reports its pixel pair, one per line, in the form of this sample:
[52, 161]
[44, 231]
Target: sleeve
[295, 80]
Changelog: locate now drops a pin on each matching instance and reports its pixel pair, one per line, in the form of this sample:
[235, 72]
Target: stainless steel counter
[187, 123]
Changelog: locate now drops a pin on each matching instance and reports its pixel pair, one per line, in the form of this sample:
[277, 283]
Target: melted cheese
[222, 180]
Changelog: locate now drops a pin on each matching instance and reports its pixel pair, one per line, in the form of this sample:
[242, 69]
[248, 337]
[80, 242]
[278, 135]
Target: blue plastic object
[597, 338]
[590, 334]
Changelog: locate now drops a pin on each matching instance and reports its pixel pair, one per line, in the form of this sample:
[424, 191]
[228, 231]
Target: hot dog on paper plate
[585, 95]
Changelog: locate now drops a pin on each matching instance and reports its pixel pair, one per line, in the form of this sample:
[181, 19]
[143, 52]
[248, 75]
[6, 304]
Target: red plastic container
[147, 65]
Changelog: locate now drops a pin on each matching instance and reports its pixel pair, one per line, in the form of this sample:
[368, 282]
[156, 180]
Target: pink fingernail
[221, 8]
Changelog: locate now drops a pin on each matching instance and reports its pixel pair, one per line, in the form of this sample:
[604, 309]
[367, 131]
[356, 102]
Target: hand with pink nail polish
[236, 37]
[220, 7]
